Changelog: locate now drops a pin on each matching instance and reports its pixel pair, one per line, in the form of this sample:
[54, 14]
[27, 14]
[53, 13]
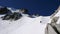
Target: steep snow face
[58, 14]
[25, 25]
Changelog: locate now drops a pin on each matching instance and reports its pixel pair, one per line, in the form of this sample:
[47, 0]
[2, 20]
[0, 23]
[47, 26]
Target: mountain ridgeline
[14, 14]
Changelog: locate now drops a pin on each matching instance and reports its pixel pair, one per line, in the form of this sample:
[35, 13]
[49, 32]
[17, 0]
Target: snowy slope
[25, 25]
[58, 15]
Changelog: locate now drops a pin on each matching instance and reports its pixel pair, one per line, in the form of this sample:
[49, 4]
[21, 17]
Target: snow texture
[25, 25]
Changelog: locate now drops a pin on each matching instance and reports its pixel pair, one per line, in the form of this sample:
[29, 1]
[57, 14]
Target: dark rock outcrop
[4, 10]
[14, 16]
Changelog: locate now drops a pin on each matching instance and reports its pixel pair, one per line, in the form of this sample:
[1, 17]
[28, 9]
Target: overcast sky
[41, 7]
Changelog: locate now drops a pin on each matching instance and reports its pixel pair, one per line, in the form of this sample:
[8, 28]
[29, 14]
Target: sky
[41, 7]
